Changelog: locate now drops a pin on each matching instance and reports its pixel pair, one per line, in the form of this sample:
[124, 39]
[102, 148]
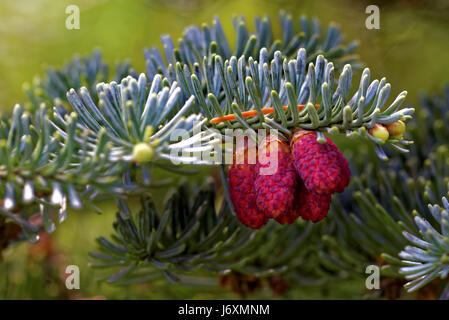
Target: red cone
[276, 178]
[322, 167]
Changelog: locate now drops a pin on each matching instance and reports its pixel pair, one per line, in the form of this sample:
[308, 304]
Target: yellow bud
[379, 132]
[142, 152]
[396, 129]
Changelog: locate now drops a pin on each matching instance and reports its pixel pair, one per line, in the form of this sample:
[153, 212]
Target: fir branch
[427, 258]
[72, 158]
[86, 71]
[47, 161]
[237, 85]
[138, 113]
[188, 235]
[42, 171]
[200, 44]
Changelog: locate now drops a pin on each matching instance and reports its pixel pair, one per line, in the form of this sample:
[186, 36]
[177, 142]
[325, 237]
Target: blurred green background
[410, 49]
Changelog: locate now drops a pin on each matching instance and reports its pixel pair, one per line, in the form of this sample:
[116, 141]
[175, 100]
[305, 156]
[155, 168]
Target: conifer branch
[200, 44]
[427, 258]
[104, 135]
[238, 85]
[187, 236]
[86, 71]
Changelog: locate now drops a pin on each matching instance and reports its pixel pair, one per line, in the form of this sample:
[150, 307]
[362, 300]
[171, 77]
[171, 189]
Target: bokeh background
[411, 49]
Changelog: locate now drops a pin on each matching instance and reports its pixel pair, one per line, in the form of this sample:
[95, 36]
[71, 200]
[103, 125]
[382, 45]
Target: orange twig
[252, 113]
